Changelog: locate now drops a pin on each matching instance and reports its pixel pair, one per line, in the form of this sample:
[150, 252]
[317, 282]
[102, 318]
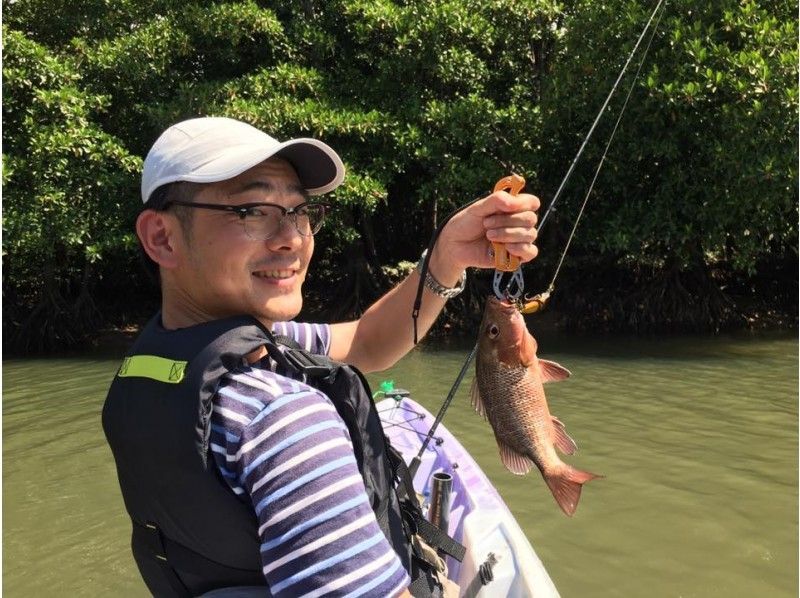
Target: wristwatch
[436, 287]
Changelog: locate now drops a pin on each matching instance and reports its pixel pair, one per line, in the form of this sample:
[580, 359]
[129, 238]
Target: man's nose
[287, 234]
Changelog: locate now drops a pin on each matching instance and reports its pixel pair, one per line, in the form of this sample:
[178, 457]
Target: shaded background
[693, 222]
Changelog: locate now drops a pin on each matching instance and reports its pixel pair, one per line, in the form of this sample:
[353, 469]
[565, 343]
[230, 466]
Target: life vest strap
[172, 554]
[439, 539]
[149, 535]
[312, 366]
[154, 367]
[298, 360]
[424, 585]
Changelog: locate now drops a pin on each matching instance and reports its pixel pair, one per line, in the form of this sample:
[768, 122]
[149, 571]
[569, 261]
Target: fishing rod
[415, 462]
[605, 105]
[551, 286]
[537, 302]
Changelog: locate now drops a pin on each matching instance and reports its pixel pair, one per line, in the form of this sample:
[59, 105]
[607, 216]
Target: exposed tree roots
[700, 299]
[588, 298]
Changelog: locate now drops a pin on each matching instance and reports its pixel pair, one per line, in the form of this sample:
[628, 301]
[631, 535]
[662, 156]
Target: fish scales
[519, 418]
[509, 391]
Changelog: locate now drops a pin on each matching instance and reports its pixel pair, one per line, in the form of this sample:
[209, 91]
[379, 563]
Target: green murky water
[697, 438]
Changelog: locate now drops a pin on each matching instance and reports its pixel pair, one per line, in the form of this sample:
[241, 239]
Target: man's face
[223, 272]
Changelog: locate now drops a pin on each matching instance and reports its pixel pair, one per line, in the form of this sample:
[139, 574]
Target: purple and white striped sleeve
[314, 338]
[294, 460]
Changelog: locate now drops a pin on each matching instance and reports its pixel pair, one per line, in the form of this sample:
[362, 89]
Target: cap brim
[318, 167]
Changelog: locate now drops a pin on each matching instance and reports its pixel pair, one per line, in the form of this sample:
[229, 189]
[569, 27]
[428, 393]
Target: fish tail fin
[565, 483]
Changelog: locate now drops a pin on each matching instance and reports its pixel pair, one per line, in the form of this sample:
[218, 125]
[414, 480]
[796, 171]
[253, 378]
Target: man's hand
[466, 240]
[384, 333]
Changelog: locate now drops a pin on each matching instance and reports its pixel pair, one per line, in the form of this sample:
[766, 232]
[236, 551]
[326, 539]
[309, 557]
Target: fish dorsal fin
[553, 372]
[561, 439]
[475, 398]
[515, 462]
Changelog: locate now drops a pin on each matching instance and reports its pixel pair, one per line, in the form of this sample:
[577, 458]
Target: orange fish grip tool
[504, 261]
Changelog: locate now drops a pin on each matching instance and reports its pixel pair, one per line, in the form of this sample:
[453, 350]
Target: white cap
[212, 149]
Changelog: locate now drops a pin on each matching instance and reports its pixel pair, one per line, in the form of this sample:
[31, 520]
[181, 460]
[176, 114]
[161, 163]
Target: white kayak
[478, 517]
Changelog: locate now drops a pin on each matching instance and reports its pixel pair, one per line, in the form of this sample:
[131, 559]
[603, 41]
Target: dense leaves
[706, 159]
[702, 179]
[428, 102]
[67, 185]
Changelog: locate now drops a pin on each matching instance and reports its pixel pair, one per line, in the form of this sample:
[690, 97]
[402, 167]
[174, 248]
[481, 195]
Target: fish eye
[494, 331]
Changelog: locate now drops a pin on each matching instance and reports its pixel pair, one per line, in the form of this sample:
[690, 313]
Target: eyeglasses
[264, 220]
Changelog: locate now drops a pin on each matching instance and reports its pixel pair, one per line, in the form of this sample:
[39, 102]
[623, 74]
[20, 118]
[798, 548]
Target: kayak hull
[479, 518]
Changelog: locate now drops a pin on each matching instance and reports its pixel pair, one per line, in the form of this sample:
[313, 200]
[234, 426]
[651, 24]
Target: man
[229, 221]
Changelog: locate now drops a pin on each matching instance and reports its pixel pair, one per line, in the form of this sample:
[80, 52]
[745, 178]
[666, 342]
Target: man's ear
[156, 231]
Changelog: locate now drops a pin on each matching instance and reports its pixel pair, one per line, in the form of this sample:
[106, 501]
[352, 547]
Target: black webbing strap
[434, 536]
[152, 537]
[295, 358]
[439, 539]
[424, 585]
[287, 341]
[185, 559]
[402, 475]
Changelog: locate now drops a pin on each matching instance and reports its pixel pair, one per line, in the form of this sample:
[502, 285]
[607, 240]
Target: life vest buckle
[304, 363]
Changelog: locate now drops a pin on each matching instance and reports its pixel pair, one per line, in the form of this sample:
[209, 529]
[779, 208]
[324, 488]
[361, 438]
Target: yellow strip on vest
[154, 367]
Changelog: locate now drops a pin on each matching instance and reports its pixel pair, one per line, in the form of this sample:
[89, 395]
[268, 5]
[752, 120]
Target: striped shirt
[281, 446]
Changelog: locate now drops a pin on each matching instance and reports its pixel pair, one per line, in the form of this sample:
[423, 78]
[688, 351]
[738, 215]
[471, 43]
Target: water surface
[696, 437]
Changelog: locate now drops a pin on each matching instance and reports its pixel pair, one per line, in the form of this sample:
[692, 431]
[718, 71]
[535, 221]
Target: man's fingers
[517, 203]
[524, 251]
[519, 220]
[511, 235]
[503, 202]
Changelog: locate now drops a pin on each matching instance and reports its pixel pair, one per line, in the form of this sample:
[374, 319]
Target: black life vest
[191, 533]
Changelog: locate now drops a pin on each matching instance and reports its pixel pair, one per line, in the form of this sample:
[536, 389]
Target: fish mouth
[510, 330]
[502, 305]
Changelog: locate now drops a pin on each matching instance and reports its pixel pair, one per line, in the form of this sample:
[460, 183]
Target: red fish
[508, 390]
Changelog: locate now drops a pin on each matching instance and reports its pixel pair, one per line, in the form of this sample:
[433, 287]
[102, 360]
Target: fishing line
[551, 286]
[425, 263]
[599, 116]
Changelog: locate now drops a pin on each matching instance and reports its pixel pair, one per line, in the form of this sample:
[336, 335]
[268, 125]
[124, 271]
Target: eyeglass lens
[264, 222]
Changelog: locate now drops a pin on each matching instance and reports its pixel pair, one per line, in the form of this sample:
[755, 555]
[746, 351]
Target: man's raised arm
[384, 333]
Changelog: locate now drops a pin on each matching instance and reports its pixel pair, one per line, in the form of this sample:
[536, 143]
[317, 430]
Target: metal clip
[513, 289]
[504, 261]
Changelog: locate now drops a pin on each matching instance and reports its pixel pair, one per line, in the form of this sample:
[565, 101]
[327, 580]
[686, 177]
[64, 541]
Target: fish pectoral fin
[515, 462]
[561, 439]
[475, 398]
[553, 372]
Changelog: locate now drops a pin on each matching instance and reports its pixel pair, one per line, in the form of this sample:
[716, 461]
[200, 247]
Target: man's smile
[276, 274]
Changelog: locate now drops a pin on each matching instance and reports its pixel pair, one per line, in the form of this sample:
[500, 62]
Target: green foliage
[428, 102]
[67, 188]
[704, 167]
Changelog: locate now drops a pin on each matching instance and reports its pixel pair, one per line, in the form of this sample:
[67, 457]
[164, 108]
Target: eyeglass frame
[241, 210]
